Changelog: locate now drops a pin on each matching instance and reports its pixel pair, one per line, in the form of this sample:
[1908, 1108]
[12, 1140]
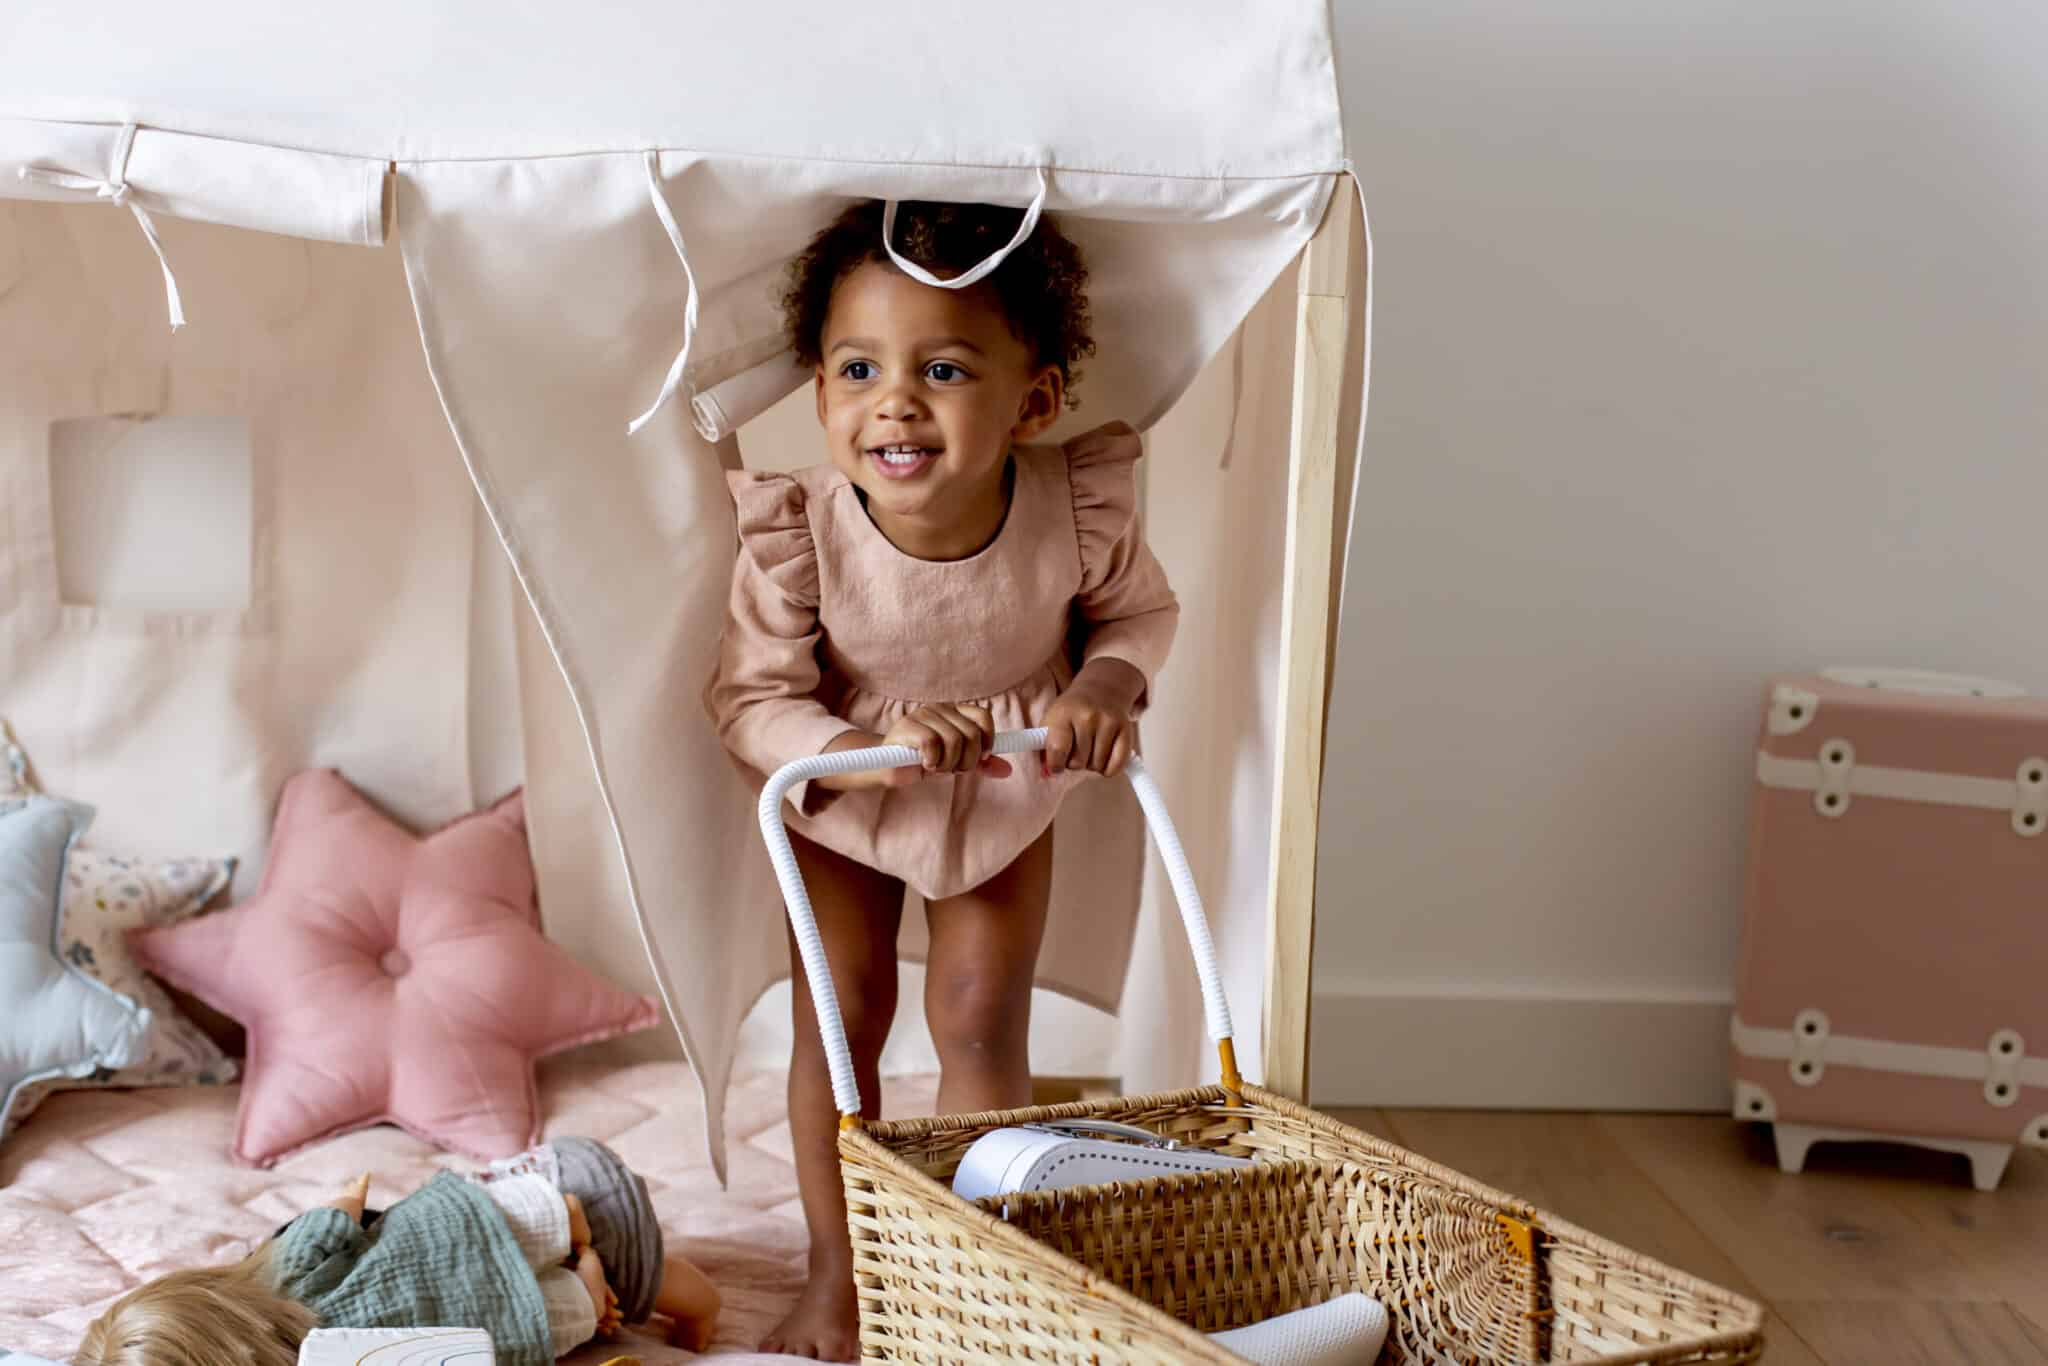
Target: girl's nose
[900, 403]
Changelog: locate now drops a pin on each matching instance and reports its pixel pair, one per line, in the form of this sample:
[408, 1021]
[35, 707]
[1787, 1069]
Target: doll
[545, 1251]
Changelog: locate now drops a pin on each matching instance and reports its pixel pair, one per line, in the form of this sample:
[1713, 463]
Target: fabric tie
[675, 237]
[981, 271]
[674, 379]
[115, 189]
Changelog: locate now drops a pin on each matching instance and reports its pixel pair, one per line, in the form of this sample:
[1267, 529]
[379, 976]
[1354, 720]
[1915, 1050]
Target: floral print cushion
[105, 896]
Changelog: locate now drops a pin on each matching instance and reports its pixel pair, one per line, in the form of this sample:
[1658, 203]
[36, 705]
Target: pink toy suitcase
[1894, 966]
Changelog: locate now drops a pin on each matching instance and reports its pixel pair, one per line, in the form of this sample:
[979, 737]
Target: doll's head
[216, 1316]
[921, 391]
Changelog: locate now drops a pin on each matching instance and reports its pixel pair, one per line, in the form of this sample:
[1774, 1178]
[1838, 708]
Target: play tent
[273, 537]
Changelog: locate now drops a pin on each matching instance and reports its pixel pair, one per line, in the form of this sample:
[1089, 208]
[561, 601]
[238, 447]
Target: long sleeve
[762, 694]
[1129, 608]
[315, 1252]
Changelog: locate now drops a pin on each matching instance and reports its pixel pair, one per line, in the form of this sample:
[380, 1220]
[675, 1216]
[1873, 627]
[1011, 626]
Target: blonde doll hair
[216, 1316]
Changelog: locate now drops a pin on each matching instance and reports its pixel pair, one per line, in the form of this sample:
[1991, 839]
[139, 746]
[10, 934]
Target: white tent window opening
[467, 572]
[150, 518]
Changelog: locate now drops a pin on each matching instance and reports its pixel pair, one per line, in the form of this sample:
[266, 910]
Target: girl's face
[921, 392]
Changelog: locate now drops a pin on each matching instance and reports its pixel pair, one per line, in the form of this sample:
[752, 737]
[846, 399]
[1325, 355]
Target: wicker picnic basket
[1139, 1272]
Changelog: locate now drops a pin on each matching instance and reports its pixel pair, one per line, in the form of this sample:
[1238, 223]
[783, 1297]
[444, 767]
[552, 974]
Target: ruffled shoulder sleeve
[775, 532]
[1102, 468]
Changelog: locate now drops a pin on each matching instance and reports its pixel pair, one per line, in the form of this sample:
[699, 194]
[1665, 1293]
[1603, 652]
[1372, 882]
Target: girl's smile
[903, 461]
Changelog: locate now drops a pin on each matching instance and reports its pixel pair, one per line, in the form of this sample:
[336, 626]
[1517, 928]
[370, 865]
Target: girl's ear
[818, 386]
[1043, 402]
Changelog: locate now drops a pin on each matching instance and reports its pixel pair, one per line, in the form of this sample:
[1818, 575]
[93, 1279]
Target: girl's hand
[1090, 727]
[947, 738]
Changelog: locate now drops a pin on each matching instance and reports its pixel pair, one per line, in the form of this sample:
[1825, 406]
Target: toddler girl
[938, 580]
[546, 1251]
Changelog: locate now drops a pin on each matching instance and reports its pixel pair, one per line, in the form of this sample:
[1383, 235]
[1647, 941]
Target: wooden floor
[1875, 1256]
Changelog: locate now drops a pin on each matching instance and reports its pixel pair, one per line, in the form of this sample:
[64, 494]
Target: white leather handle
[811, 949]
[1105, 1127]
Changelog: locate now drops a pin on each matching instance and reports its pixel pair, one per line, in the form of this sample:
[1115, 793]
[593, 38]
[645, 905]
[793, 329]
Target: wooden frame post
[1319, 480]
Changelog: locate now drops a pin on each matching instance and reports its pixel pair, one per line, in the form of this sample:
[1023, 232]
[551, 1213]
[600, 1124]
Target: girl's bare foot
[825, 1325]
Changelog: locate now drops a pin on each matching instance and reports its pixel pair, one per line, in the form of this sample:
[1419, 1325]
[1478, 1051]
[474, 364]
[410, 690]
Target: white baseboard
[1514, 1052]
[1068, 1039]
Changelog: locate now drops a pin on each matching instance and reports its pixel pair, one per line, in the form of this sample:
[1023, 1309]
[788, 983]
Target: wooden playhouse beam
[1318, 512]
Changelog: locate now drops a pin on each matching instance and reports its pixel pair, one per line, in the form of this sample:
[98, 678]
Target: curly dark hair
[1041, 287]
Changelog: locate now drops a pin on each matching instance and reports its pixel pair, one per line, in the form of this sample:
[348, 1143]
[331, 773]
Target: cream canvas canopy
[594, 206]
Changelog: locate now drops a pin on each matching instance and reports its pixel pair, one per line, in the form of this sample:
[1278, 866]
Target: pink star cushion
[383, 977]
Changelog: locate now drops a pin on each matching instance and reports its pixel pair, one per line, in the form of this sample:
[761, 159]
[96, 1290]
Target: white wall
[1710, 342]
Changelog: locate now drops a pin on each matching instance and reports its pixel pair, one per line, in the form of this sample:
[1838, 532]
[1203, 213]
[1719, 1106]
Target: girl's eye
[944, 372]
[857, 369]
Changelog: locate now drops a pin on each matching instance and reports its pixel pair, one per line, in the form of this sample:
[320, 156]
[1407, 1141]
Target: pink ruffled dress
[832, 628]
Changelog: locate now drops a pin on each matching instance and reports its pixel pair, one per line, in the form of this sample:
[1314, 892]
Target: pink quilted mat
[101, 1190]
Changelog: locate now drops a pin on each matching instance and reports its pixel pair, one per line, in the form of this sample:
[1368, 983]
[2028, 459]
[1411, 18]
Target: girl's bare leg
[859, 911]
[690, 1301]
[977, 996]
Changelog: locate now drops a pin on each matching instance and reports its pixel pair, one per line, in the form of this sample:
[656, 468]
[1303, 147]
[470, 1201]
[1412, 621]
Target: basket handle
[811, 949]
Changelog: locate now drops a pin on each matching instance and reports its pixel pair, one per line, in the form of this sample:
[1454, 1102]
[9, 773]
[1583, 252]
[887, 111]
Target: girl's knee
[977, 1012]
[867, 1028]
[868, 1014]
